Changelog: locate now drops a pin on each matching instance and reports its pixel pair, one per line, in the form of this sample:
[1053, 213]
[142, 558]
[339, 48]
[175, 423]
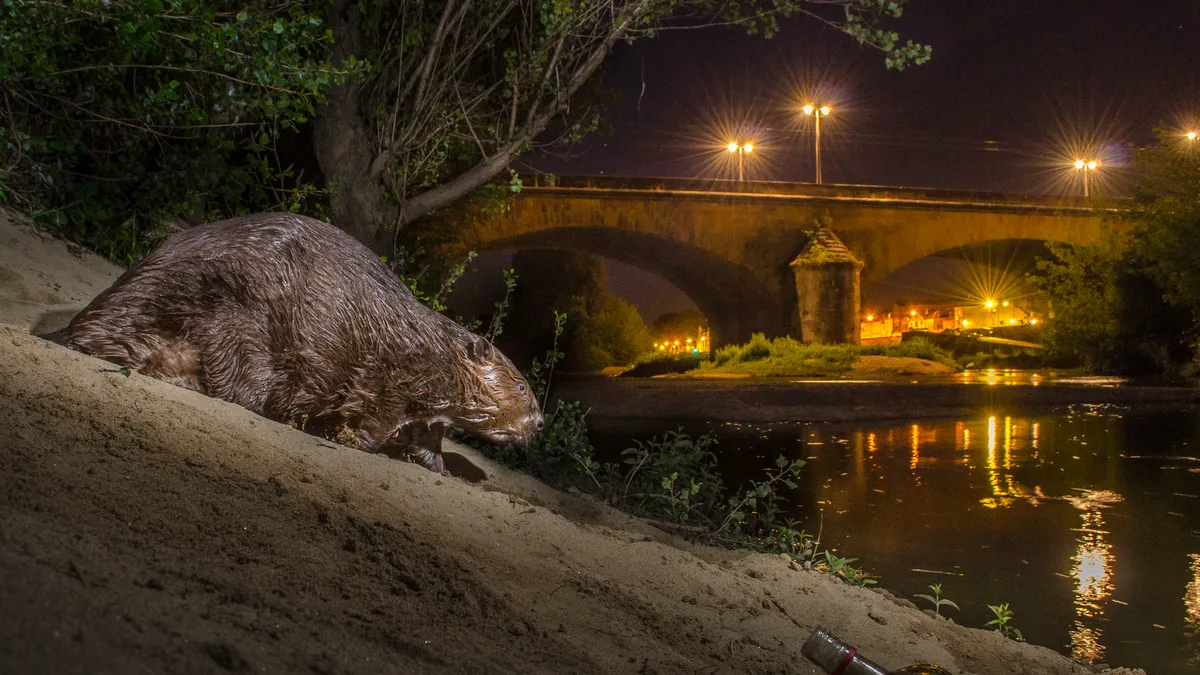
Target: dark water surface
[1086, 522]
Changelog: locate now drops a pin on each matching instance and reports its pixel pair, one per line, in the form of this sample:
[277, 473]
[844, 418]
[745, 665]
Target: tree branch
[490, 167]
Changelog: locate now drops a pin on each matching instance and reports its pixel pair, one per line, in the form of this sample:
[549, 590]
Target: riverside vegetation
[785, 356]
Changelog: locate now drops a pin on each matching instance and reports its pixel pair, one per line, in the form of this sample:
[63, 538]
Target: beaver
[295, 320]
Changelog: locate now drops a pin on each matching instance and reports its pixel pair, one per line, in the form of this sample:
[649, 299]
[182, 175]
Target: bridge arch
[735, 302]
[960, 274]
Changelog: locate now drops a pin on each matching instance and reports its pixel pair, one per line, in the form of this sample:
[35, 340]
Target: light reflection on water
[1092, 570]
[1191, 598]
[1087, 523]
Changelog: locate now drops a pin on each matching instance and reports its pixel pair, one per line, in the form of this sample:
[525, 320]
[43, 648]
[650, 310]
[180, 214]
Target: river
[1086, 521]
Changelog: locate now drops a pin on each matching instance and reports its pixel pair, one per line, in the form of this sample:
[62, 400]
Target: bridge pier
[828, 290]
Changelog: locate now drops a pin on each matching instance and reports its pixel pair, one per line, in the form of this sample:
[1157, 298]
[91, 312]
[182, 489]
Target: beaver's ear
[479, 349]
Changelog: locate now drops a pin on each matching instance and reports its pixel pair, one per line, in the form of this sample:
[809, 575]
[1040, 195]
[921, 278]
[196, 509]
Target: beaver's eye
[521, 388]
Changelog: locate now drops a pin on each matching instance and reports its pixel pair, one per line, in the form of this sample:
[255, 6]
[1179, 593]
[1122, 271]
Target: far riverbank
[793, 400]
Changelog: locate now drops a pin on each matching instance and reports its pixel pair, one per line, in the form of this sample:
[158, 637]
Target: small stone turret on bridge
[827, 290]
[730, 245]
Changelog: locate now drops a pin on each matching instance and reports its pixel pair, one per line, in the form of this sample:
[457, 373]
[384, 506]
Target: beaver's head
[498, 404]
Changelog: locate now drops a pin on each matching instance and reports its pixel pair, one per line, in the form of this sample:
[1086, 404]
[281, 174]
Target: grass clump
[918, 348]
[785, 356]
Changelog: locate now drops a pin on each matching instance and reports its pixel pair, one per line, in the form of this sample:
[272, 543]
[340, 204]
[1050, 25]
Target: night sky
[1015, 90]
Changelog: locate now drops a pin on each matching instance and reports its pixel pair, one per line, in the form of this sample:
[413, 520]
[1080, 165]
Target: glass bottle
[838, 658]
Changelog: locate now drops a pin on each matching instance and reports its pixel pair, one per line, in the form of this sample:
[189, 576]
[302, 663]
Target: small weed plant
[1003, 622]
[936, 599]
[842, 569]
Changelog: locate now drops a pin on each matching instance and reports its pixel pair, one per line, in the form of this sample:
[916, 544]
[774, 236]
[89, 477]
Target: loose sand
[149, 529]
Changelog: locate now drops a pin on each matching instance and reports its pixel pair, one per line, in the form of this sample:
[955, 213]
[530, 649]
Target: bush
[117, 116]
[613, 334]
[660, 363]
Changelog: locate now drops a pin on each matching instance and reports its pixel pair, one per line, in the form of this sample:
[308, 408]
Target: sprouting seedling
[1003, 616]
[936, 599]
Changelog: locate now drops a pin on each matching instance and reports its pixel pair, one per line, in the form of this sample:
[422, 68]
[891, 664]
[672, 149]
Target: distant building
[891, 324]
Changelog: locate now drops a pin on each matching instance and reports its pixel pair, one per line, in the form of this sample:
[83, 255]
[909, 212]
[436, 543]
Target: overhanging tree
[412, 105]
[461, 87]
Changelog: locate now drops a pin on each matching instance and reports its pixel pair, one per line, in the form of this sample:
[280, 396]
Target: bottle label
[845, 662]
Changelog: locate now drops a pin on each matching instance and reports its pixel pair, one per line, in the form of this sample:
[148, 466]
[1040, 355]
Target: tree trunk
[342, 141]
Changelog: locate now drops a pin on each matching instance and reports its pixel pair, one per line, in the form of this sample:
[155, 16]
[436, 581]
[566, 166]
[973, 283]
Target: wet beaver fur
[297, 321]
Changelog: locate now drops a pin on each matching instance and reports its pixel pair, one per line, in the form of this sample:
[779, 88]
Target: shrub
[613, 334]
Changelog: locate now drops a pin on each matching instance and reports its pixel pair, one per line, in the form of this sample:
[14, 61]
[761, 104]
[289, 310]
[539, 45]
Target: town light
[870, 317]
[808, 110]
[1191, 135]
[1033, 322]
[1004, 304]
[912, 312]
[989, 303]
[732, 147]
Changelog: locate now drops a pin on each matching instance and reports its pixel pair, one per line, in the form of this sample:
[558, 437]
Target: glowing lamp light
[824, 110]
[912, 312]
[808, 110]
[966, 322]
[1092, 165]
[870, 317]
[732, 147]
[1078, 162]
[1191, 135]
[1004, 304]
[1012, 322]
[1033, 322]
[749, 147]
[989, 304]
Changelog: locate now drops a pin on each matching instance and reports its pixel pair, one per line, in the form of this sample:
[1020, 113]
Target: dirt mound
[892, 366]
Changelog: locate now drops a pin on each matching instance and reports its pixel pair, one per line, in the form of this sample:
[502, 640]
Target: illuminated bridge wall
[727, 244]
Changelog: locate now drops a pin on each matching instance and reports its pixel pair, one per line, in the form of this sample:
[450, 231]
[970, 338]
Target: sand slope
[148, 529]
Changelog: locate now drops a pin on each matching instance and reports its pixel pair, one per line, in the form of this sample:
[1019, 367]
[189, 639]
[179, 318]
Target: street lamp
[1087, 167]
[817, 114]
[742, 149]
[1191, 135]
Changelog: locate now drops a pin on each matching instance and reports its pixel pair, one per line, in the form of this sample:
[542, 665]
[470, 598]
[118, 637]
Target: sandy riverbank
[149, 529]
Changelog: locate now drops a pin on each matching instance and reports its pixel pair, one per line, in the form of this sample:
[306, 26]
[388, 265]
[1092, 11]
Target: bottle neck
[836, 657]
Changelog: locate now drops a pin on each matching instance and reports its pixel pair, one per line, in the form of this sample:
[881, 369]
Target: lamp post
[817, 114]
[1087, 168]
[742, 149]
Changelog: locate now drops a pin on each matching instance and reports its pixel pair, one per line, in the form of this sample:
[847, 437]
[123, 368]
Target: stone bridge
[728, 244]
